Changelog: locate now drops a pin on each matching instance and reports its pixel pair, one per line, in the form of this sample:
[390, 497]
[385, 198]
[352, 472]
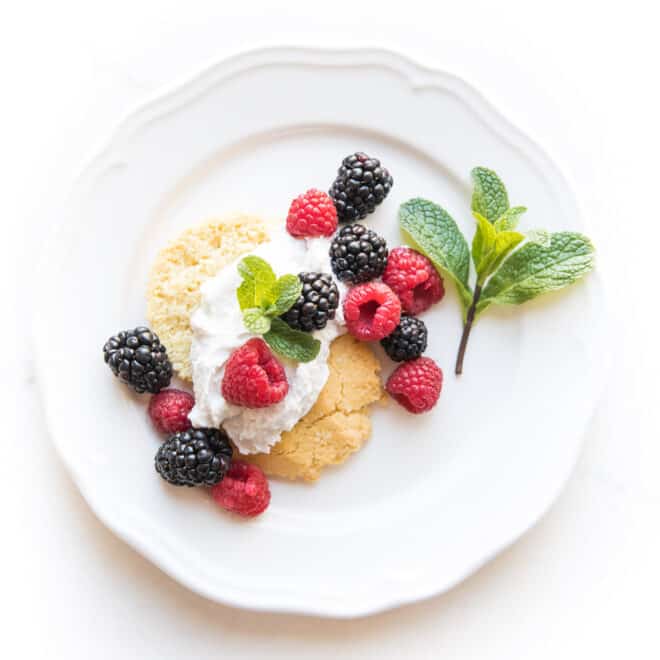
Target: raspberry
[312, 214]
[414, 279]
[253, 377]
[372, 311]
[244, 490]
[416, 385]
[169, 410]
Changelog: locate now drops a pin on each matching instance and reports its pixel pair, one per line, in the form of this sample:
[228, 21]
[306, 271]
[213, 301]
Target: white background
[581, 79]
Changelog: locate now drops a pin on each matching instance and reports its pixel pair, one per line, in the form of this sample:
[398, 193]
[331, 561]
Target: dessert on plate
[270, 324]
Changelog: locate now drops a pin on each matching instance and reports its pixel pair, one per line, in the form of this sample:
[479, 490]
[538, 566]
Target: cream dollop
[218, 330]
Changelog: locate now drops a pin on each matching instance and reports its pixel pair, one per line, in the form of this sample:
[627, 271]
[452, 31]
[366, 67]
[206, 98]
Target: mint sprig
[263, 298]
[511, 268]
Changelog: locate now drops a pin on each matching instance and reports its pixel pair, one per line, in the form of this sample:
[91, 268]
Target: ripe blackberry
[195, 457]
[316, 305]
[408, 341]
[361, 184]
[138, 359]
[358, 254]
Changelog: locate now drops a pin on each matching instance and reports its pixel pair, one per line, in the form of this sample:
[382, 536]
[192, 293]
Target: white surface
[458, 487]
[583, 583]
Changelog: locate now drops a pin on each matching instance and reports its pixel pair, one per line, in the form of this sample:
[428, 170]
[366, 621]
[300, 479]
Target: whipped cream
[218, 330]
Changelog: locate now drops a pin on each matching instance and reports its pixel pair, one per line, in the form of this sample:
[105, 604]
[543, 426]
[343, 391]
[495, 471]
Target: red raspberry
[253, 377]
[416, 385]
[372, 311]
[414, 279]
[169, 410]
[244, 490]
[312, 214]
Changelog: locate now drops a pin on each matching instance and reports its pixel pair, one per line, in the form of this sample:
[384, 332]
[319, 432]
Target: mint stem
[467, 328]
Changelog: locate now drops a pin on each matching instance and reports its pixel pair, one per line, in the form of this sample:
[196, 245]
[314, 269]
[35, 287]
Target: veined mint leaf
[292, 344]
[431, 230]
[535, 269]
[489, 197]
[508, 221]
[490, 247]
[505, 242]
[256, 321]
[257, 270]
[483, 246]
[540, 236]
[286, 291]
[246, 294]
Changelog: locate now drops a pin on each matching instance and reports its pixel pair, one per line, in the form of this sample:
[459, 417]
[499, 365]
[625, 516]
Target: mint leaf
[246, 294]
[490, 247]
[540, 236]
[505, 242]
[483, 245]
[509, 219]
[290, 343]
[257, 270]
[256, 321]
[489, 197]
[286, 292]
[432, 231]
[535, 269]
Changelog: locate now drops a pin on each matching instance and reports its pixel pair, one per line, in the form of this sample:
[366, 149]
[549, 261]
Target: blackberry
[194, 458]
[138, 359]
[361, 185]
[408, 341]
[358, 254]
[316, 305]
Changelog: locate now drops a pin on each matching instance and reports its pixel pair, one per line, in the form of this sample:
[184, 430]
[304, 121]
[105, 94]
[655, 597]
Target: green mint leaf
[246, 294]
[505, 242]
[256, 321]
[489, 197]
[540, 236]
[490, 247]
[432, 231]
[483, 246]
[535, 269]
[286, 292]
[255, 269]
[508, 221]
[290, 343]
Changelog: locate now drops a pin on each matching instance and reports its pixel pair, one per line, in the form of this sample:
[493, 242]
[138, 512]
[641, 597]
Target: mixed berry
[387, 290]
[414, 279]
[316, 305]
[254, 377]
[357, 254]
[362, 183]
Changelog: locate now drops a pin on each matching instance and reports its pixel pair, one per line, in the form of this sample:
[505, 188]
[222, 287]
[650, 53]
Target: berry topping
[358, 254]
[312, 214]
[316, 305]
[408, 341]
[169, 410]
[253, 377]
[414, 279]
[244, 490]
[372, 311]
[194, 458]
[361, 185]
[416, 385]
[138, 359]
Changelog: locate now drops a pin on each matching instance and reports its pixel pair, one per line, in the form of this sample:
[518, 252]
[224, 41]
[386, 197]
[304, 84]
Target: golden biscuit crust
[180, 269]
[337, 425]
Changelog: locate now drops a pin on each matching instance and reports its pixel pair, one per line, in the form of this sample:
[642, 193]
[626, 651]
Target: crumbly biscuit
[337, 425]
[179, 270]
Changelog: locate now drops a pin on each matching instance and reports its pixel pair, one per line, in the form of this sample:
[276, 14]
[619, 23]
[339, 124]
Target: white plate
[430, 498]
